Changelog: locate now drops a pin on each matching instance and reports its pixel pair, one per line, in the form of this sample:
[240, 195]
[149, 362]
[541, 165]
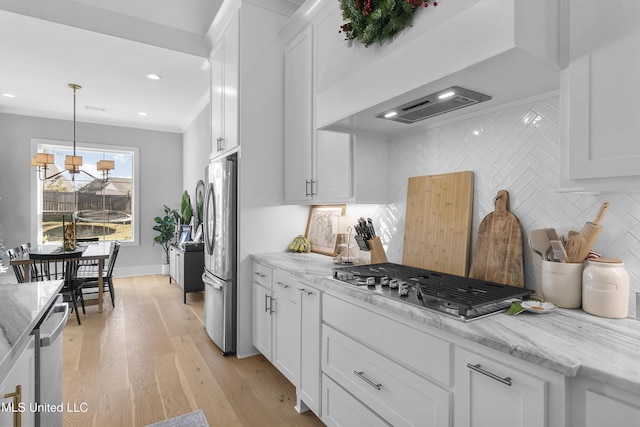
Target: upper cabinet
[324, 166]
[600, 152]
[224, 88]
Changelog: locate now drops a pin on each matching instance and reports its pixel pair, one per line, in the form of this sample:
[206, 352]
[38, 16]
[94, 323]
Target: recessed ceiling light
[8, 95]
[142, 113]
[391, 114]
[154, 76]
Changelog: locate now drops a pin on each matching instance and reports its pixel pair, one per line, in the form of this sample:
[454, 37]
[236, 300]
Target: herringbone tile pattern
[518, 150]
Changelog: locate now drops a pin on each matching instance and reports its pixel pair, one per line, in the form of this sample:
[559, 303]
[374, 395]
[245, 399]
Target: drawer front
[286, 285]
[398, 395]
[342, 409]
[262, 275]
[421, 352]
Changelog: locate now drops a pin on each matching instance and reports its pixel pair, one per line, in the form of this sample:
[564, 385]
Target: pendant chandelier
[72, 163]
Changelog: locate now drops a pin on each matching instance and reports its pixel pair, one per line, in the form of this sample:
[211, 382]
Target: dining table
[91, 252]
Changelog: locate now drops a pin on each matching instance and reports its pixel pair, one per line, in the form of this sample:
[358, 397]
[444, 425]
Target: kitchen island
[23, 307]
[583, 354]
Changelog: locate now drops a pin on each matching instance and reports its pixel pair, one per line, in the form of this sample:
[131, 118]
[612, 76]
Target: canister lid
[606, 260]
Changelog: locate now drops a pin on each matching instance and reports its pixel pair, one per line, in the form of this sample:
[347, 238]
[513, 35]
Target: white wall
[160, 179]
[196, 144]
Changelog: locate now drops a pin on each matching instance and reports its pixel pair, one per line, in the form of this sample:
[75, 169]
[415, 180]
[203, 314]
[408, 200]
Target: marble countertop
[570, 342]
[21, 308]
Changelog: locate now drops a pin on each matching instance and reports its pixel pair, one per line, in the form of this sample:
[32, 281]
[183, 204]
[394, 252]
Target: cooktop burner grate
[462, 297]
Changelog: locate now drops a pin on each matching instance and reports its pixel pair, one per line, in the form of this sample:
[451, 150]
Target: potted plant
[165, 228]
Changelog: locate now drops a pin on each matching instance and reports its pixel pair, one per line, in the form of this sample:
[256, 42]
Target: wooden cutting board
[437, 228]
[497, 255]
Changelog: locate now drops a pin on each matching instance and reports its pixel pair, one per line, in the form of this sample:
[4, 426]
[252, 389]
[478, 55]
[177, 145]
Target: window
[103, 210]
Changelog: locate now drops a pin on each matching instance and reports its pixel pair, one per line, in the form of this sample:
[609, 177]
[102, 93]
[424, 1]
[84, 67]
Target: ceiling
[108, 47]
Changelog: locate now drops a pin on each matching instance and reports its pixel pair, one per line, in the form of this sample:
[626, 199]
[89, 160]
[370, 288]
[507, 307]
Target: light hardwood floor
[150, 359]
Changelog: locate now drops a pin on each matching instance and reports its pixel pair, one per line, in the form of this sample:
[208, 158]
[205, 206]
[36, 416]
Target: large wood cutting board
[497, 255]
[437, 228]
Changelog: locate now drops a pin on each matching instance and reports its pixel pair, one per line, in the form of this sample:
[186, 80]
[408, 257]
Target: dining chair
[17, 269]
[60, 266]
[88, 275]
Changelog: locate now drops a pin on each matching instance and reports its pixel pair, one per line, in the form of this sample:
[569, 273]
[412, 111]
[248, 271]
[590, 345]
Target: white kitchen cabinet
[225, 58]
[342, 409]
[20, 382]
[310, 328]
[492, 393]
[399, 373]
[599, 89]
[321, 165]
[596, 404]
[276, 320]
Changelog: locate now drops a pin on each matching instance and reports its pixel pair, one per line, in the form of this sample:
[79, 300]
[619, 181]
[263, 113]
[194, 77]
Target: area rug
[193, 419]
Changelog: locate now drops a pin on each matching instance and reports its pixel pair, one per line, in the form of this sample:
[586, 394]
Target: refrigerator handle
[51, 337]
[208, 281]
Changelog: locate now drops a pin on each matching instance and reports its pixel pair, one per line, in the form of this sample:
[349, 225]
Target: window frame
[37, 144]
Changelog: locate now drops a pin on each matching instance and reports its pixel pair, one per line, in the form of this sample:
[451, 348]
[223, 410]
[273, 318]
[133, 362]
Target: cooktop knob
[384, 281]
[370, 281]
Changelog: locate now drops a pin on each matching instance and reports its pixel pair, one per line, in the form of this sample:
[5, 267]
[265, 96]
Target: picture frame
[185, 235]
[319, 228]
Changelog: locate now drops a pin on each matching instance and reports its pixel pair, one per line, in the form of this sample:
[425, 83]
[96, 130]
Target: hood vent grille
[433, 105]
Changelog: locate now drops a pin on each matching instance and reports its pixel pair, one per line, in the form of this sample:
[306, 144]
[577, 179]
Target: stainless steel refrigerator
[220, 258]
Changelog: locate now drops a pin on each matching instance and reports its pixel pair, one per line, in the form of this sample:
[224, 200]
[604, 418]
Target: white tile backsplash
[518, 150]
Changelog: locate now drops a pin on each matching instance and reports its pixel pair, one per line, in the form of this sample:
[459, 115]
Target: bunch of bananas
[300, 244]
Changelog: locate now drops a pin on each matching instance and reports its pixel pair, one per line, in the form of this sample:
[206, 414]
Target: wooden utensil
[437, 229]
[574, 247]
[559, 252]
[497, 255]
[591, 231]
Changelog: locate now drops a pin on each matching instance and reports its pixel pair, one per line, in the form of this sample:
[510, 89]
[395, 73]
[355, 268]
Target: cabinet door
[342, 409]
[217, 99]
[22, 374]
[604, 410]
[262, 320]
[172, 263]
[489, 393]
[298, 116]
[601, 88]
[310, 338]
[333, 166]
[231, 87]
[286, 337]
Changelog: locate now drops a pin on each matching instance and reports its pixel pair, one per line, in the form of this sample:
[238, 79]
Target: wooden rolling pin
[577, 249]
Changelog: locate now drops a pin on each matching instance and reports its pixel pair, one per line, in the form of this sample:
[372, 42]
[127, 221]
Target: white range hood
[506, 49]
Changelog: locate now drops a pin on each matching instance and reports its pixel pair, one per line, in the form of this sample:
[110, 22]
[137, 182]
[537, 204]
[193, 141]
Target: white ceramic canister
[562, 283]
[605, 288]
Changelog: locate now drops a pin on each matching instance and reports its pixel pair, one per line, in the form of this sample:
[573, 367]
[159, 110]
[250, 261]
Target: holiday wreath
[377, 21]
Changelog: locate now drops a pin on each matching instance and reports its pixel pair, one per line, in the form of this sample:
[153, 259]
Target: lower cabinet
[286, 330]
[340, 408]
[384, 365]
[17, 391]
[595, 404]
[491, 393]
[186, 267]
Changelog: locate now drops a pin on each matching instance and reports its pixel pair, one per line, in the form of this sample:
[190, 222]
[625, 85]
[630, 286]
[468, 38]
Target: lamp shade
[106, 165]
[342, 224]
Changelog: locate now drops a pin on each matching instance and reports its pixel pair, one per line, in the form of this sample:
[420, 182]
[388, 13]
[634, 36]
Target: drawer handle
[305, 291]
[363, 377]
[260, 275]
[284, 285]
[478, 368]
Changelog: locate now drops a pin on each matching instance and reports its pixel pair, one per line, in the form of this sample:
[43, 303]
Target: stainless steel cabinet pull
[313, 193]
[363, 377]
[284, 285]
[266, 306]
[307, 193]
[260, 275]
[17, 398]
[478, 368]
[305, 291]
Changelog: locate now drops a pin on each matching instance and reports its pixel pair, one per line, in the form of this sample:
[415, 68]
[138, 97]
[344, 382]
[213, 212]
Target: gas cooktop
[462, 298]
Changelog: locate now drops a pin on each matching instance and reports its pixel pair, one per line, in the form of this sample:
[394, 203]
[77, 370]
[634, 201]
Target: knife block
[378, 255]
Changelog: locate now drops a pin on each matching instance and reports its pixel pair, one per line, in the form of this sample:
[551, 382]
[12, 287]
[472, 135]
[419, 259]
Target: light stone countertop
[570, 342]
[22, 305]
